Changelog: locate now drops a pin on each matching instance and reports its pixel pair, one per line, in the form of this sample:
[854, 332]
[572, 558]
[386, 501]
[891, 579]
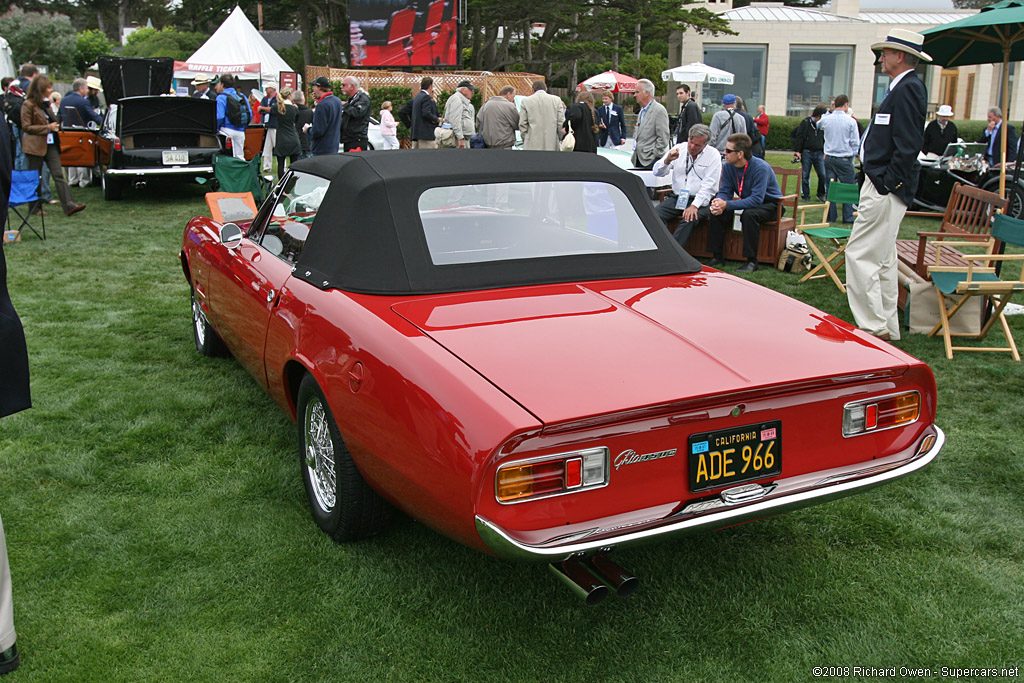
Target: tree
[168, 42]
[92, 43]
[40, 38]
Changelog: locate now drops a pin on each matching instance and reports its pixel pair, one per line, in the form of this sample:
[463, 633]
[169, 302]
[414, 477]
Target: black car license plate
[731, 456]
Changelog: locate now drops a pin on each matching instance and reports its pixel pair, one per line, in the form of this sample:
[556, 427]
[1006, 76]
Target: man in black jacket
[424, 117]
[809, 144]
[689, 113]
[355, 117]
[14, 396]
[940, 133]
[889, 159]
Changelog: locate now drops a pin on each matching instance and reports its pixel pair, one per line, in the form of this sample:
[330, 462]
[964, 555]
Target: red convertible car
[510, 348]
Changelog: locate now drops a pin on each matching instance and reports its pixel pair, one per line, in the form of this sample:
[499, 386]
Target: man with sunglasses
[696, 169]
[749, 196]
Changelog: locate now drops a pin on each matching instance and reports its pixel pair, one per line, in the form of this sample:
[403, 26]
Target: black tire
[208, 342]
[1014, 193]
[111, 188]
[346, 509]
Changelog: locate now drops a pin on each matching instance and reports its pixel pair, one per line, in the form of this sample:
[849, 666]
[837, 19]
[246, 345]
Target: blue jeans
[840, 169]
[817, 159]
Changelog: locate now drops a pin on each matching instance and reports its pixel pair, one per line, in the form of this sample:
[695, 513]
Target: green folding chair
[833, 238]
[971, 280]
[237, 175]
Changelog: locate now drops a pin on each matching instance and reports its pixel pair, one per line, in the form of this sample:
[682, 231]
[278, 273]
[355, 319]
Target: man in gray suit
[651, 133]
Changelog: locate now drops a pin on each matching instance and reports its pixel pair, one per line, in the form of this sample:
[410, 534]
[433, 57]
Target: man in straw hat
[203, 87]
[941, 132]
[888, 154]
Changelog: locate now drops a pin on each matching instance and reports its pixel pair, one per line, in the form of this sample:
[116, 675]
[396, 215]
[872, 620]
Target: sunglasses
[729, 151]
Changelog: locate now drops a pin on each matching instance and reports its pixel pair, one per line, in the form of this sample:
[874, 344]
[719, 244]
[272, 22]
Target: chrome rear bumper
[170, 170]
[715, 514]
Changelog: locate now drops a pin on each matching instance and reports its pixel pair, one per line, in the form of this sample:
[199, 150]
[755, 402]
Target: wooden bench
[773, 233]
[968, 216]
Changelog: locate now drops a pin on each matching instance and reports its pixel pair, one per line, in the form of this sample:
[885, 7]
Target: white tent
[237, 41]
[6, 63]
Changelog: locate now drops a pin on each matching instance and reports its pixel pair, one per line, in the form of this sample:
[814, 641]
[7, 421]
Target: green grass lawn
[158, 530]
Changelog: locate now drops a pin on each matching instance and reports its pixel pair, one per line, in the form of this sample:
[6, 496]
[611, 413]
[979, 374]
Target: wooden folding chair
[979, 280]
[838, 193]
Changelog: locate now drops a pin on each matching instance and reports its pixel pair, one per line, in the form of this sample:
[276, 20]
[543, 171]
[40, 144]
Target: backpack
[237, 110]
[12, 108]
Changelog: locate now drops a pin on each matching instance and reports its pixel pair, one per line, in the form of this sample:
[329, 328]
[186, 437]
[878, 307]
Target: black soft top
[367, 235]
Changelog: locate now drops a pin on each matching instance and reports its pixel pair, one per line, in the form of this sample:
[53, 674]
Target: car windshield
[504, 221]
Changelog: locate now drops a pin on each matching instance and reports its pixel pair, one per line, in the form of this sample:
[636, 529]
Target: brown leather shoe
[75, 210]
[38, 212]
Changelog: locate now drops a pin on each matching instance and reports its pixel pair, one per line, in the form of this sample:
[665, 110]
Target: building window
[746, 63]
[816, 75]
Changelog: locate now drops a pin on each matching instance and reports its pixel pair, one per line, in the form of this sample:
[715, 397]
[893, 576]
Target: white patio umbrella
[697, 72]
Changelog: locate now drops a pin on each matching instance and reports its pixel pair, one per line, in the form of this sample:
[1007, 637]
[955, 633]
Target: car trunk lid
[572, 352]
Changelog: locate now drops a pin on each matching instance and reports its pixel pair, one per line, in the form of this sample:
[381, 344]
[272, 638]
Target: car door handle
[270, 296]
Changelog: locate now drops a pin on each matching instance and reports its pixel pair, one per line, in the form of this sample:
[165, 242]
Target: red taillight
[117, 144]
[573, 473]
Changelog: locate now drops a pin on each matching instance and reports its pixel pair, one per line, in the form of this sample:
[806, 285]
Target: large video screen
[399, 33]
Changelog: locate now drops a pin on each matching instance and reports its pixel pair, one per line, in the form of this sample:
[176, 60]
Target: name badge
[49, 138]
[882, 119]
[683, 200]
[736, 225]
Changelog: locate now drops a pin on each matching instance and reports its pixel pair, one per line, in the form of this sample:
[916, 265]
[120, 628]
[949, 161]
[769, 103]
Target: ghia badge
[631, 457]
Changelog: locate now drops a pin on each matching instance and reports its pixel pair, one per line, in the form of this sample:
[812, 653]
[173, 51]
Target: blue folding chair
[25, 193]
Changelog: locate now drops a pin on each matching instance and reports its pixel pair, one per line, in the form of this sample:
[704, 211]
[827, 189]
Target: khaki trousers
[871, 283]
[7, 635]
[269, 142]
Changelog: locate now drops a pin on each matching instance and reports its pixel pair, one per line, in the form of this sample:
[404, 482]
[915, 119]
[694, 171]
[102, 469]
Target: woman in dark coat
[287, 144]
[583, 118]
[14, 395]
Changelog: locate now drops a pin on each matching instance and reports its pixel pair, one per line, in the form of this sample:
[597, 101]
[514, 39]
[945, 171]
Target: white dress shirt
[700, 176]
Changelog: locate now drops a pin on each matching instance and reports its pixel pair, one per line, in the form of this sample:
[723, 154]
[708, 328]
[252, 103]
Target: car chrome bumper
[827, 487]
[170, 170]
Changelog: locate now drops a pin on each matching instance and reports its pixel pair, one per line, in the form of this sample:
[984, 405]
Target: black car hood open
[133, 76]
[167, 114]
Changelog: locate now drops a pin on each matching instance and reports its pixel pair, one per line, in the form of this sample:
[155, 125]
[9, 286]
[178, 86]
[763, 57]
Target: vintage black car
[963, 162]
[147, 135]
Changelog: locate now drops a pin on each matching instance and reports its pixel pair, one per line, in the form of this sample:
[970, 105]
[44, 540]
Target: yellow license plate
[731, 456]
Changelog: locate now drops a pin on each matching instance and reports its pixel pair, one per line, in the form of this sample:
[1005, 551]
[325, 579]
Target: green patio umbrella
[995, 35]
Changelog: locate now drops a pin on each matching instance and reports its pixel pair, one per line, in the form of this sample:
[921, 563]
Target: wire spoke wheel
[320, 456]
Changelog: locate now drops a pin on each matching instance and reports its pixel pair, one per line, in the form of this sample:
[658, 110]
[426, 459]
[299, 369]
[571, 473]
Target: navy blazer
[894, 139]
[14, 394]
[615, 126]
[1011, 143]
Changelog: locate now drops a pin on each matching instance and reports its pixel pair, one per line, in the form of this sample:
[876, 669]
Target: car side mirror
[230, 235]
[92, 125]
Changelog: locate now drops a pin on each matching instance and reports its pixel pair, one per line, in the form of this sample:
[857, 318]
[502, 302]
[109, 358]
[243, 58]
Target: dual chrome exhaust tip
[592, 578]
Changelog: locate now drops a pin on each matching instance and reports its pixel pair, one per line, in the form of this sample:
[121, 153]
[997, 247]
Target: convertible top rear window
[430, 221]
[503, 221]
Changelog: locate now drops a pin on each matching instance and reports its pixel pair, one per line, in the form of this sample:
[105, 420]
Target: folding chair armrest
[959, 269]
[994, 257]
[805, 207]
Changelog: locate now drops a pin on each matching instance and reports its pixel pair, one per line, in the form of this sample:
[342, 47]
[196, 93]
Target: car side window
[294, 208]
